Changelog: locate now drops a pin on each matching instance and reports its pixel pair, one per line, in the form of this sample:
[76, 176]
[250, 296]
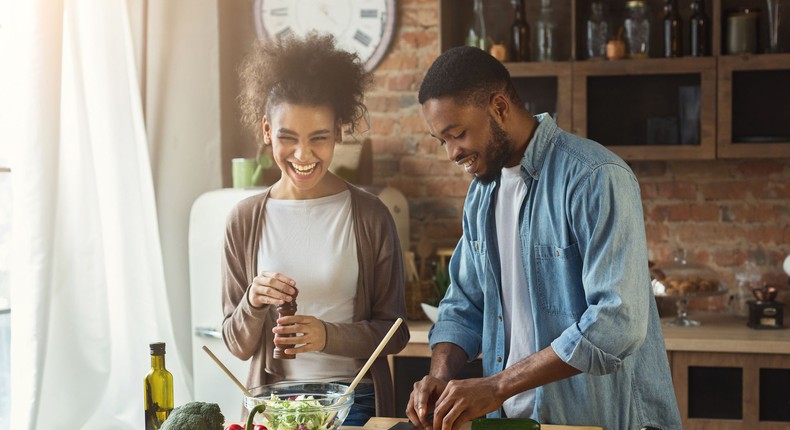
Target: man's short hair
[469, 75]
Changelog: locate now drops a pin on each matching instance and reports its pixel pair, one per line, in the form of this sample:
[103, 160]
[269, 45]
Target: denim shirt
[585, 255]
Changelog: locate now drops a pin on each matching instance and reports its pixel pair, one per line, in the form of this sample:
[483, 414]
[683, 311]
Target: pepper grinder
[285, 310]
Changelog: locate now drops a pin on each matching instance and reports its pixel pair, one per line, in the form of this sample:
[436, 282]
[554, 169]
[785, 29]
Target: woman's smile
[303, 169]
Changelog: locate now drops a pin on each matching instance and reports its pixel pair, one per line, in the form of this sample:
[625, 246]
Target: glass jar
[545, 28]
[637, 30]
[597, 31]
[747, 279]
[477, 31]
[742, 32]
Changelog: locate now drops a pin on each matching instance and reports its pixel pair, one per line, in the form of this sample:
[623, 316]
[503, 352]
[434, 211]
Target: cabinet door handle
[208, 332]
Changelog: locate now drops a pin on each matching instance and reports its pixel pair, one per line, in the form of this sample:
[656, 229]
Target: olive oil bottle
[158, 387]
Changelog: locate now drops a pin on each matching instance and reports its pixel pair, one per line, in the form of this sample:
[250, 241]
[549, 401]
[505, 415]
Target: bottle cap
[157, 348]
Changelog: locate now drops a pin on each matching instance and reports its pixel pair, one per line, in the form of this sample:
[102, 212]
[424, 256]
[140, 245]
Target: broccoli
[195, 416]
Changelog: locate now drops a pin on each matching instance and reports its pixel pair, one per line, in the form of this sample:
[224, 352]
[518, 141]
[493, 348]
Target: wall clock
[365, 27]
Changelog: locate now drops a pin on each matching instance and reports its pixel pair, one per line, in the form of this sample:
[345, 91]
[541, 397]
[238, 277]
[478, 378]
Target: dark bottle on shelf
[519, 34]
[699, 26]
[673, 45]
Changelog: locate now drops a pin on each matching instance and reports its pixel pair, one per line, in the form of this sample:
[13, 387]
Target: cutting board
[385, 423]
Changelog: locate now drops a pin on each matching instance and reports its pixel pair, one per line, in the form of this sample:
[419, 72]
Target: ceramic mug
[242, 172]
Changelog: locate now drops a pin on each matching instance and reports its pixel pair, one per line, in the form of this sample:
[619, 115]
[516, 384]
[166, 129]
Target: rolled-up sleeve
[609, 226]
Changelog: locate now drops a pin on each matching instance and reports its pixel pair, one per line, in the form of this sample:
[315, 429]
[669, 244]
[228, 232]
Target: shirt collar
[538, 146]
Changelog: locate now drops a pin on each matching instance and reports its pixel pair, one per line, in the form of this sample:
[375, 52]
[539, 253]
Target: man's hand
[446, 360]
[422, 400]
[464, 400]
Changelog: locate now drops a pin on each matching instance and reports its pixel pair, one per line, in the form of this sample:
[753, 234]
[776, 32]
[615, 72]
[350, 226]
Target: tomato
[260, 427]
[235, 427]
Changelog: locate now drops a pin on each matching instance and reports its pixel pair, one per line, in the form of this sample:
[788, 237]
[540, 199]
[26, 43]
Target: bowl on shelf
[432, 312]
[301, 405]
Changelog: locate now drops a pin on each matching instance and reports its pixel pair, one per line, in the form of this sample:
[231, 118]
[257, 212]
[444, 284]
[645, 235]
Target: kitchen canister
[742, 32]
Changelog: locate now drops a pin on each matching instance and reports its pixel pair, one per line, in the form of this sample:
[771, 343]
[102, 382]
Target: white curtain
[87, 281]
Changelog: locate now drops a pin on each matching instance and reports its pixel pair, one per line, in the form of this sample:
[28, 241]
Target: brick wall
[405, 155]
[723, 212]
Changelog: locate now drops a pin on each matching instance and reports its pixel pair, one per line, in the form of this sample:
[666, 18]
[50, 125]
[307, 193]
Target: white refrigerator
[206, 239]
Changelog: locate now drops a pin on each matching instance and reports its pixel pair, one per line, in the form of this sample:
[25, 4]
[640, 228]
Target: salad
[299, 413]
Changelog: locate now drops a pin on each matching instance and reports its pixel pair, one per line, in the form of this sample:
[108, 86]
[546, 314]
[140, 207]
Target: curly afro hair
[309, 71]
[468, 75]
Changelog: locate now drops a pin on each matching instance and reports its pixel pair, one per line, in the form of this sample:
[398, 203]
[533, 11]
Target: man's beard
[497, 152]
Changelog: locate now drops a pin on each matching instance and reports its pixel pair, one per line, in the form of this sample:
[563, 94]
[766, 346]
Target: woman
[311, 233]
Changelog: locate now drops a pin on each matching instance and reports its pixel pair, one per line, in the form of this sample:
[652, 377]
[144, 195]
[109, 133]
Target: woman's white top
[313, 242]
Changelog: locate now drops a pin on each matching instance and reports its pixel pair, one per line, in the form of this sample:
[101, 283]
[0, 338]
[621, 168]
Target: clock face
[361, 26]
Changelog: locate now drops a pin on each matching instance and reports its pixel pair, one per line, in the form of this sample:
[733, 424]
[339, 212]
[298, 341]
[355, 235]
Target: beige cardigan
[247, 331]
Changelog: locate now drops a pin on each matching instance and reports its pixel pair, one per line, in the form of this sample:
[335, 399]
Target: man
[550, 280]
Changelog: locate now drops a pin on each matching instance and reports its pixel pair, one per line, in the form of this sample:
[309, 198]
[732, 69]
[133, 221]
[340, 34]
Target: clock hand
[324, 8]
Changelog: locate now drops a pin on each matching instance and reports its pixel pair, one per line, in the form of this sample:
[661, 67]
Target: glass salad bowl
[683, 281]
[301, 405]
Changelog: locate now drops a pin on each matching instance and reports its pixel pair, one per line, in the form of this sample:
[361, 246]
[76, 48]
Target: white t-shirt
[313, 242]
[516, 304]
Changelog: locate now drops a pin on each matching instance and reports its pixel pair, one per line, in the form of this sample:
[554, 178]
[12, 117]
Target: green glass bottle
[158, 387]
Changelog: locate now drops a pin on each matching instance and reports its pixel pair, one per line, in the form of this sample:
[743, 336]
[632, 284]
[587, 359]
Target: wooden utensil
[365, 368]
[227, 372]
[374, 356]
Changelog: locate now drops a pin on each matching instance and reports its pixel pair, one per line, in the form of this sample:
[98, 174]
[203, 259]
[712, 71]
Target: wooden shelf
[572, 93]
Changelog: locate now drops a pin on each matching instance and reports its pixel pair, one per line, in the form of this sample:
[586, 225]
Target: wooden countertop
[719, 332]
[386, 423]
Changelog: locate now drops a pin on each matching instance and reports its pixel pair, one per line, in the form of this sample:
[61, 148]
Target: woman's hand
[271, 288]
[310, 331]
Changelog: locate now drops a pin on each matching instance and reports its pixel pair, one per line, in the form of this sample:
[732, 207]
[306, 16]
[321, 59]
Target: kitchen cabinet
[719, 106]
[635, 106]
[725, 374]
[729, 376]
[754, 106]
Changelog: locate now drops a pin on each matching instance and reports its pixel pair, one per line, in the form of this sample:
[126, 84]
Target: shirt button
[500, 317]
[499, 359]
